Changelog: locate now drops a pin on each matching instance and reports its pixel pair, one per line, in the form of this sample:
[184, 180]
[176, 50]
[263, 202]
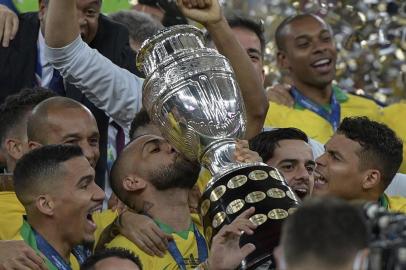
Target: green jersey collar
[169, 230]
[340, 95]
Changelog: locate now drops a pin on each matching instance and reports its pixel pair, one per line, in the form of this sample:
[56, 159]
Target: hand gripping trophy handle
[191, 93]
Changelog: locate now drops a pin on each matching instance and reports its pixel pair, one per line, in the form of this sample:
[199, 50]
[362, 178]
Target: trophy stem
[219, 156]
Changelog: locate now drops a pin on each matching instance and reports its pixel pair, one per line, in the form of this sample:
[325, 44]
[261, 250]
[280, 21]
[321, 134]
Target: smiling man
[288, 150]
[306, 50]
[360, 161]
[56, 185]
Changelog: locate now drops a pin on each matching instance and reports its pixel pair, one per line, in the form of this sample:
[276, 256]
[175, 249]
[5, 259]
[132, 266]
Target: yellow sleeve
[204, 178]
[74, 263]
[102, 220]
[11, 213]
[397, 204]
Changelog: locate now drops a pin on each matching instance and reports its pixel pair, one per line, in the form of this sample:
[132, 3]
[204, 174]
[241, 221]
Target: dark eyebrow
[325, 31]
[302, 36]
[77, 136]
[85, 179]
[310, 162]
[71, 135]
[333, 152]
[253, 50]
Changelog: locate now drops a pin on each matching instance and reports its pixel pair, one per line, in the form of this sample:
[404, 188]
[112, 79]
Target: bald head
[284, 26]
[153, 161]
[62, 120]
[123, 166]
[38, 122]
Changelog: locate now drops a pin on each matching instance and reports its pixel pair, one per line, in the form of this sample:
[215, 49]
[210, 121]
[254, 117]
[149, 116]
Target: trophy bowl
[191, 93]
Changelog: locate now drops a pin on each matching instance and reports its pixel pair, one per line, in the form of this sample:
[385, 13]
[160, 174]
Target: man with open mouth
[288, 150]
[307, 53]
[359, 162]
[56, 186]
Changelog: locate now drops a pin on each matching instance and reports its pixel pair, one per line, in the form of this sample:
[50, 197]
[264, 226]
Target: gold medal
[209, 233]
[276, 193]
[258, 175]
[237, 181]
[276, 175]
[235, 206]
[218, 219]
[278, 213]
[255, 197]
[204, 207]
[258, 219]
[217, 193]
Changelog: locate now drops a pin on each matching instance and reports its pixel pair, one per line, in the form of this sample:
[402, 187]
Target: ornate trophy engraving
[191, 93]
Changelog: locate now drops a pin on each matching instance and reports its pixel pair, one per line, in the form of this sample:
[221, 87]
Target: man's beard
[181, 174]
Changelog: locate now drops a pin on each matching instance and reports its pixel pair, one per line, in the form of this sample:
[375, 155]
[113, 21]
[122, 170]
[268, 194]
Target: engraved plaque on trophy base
[255, 185]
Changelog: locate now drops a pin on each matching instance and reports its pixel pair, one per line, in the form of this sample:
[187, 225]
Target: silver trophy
[191, 93]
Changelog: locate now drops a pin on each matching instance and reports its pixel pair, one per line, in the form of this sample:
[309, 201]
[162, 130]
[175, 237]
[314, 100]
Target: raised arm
[208, 13]
[111, 88]
[61, 27]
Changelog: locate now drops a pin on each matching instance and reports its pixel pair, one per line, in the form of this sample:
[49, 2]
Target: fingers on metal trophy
[190, 91]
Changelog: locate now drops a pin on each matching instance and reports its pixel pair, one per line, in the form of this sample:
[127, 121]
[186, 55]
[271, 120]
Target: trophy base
[256, 185]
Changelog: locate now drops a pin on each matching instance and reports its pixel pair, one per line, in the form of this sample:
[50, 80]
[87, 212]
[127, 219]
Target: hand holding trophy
[191, 93]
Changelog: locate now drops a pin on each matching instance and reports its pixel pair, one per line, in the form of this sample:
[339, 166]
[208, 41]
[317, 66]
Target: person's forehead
[76, 115]
[76, 123]
[304, 25]
[82, 3]
[293, 149]
[244, 33]
[342, 144]
[78, 166]
[138, 143]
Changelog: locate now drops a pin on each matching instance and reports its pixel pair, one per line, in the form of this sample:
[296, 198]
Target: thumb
[247, 249]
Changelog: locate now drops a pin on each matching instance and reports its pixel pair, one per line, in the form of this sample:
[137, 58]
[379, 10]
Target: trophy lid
[166, 43]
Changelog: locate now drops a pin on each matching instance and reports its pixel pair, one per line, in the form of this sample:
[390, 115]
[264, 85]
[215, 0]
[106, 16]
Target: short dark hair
[40, 168]
[381, 148]
[121, 253]
[266, 142]
[141, 119]
[237, 19]
[141, 26]
[253, 24]
[14, 109]
[328, 230]
[279, 32]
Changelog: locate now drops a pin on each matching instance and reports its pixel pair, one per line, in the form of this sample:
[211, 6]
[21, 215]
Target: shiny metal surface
[191, 93]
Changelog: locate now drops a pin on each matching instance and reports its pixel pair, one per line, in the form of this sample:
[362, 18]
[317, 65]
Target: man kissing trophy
[190, 91]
